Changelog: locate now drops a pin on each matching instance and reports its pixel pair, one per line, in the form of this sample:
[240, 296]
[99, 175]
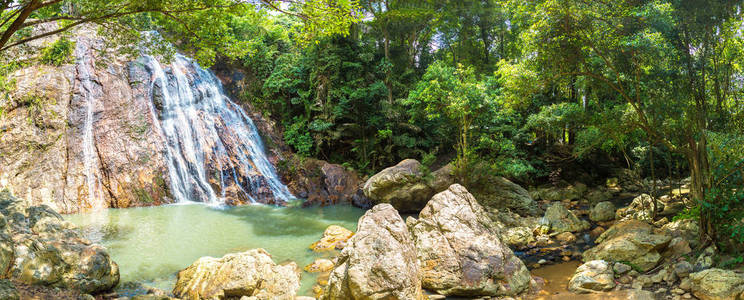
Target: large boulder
[603, 211]
[563, 220]
[499, 192]
[37, 247]
[461, 251]
[379, 261]
[631, 241]
[251, 273]
[596, 275]
[717, 284]
[403, 186]
[642, 208]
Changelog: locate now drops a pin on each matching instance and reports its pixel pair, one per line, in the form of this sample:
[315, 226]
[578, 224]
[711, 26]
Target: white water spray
[211, 144]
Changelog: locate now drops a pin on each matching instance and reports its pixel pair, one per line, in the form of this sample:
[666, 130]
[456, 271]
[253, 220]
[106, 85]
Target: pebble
[436, 297]
[542, 262]
[678, 291]
[687, 296]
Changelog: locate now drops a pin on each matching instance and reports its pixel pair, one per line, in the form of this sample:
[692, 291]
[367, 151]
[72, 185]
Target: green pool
[151, 244]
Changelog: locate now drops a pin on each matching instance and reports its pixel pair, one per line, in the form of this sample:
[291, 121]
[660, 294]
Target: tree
[202, 23]
[663, 59]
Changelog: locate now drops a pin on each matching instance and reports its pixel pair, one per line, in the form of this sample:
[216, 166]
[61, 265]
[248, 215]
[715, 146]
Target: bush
[58, 53]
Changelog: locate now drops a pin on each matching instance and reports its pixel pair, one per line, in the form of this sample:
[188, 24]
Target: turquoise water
[151, 244]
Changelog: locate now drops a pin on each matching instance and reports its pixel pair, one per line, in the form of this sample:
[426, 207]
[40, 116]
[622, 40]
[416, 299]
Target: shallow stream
[151, 244]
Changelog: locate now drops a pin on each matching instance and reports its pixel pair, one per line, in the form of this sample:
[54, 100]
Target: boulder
[598, 195]
[641, 208]
[631, 241]
[688, 229]
[251, 273]
[319, 265]
[596, 275]
[518, 237]
[461, 250]
[499, 192]
[334, 237]
[403, 186]
[563, 220]
[717, 284]
[603, 211]
[379, 261]
[37, 247]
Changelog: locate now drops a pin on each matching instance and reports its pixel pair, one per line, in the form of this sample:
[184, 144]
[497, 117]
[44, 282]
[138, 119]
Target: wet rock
[319, 265]
[379, 261]
[596, 232]
[642, 208]
[630, 241]
[403, 186]
[518, 237]
[717, 284]
[250, 273]
[596, 275]
[334, 237]
[461, 251]
[603, 211]
[37, 247]
[563, 220]
[565, 238]
[8, 290]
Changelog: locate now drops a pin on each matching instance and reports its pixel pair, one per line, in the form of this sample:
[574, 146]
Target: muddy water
[556, 284]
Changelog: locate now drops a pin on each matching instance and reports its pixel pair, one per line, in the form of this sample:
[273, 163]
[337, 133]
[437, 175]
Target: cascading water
[90, 90]
[213, 149]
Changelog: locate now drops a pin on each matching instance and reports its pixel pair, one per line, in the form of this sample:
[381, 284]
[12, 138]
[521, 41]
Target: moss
[143, 196]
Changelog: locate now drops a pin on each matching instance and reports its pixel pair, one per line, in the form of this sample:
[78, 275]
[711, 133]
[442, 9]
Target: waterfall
[213, 149]
[90, 89]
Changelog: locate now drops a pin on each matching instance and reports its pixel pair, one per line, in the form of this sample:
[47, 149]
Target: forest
[539, 92]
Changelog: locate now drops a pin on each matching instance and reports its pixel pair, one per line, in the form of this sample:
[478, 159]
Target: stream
[151, 244]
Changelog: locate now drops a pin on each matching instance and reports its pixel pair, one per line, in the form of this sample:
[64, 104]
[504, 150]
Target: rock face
[596, 275]
[717, 284]
[603, 211]
[403, 186]
[563, 220]
[324, 183]
[379, 261]
[42, 150]
[630, 241]
[642, 208]
[252, 273]
[92, 134]
[38, 247]
[460, 249]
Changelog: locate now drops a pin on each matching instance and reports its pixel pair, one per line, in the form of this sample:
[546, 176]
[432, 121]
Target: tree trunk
[700, 177]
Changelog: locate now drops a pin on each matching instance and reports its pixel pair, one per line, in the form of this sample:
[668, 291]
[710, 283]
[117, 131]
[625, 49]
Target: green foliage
[58, 53]
[724, 199]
